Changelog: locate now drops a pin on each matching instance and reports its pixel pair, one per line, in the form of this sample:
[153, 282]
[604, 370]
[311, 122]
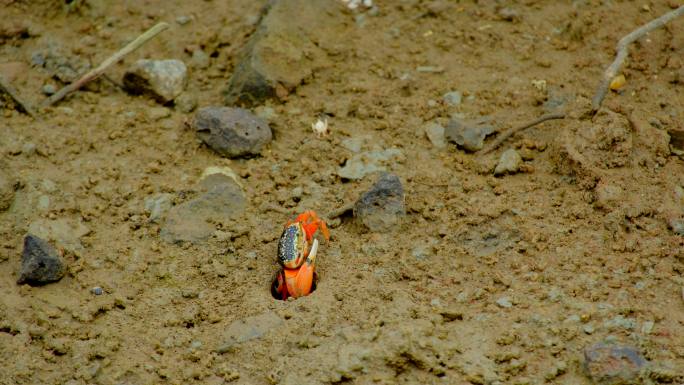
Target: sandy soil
[487, 279]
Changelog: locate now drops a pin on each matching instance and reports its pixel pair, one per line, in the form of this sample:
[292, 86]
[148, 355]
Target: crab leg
[299, 281]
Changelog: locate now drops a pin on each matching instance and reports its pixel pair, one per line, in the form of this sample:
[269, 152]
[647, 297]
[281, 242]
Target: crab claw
[299, 281]
[311, 223]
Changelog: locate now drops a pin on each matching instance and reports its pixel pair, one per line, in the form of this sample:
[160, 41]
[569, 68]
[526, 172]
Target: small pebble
[28, 149]
[509, 163]
[185, 103]
[508, 14]
[677, 226]
[158, 113]
[647, 327]
[453, 98]
[200, 59]
[182, 20]
[49, 89]
[435, 133]
[96, 290]
[467, 134]
[504, 302]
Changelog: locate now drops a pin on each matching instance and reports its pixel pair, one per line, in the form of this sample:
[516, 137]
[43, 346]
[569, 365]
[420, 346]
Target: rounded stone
[232, 132]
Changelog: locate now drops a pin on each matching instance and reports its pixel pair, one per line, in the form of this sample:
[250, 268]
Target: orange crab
[297, 250]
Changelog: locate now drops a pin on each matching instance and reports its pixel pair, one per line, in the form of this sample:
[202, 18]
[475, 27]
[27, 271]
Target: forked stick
[502, 138]
[623, 49]
[97, 72]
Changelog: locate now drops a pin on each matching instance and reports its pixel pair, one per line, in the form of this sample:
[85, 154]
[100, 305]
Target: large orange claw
[311, 223]
[298, 282]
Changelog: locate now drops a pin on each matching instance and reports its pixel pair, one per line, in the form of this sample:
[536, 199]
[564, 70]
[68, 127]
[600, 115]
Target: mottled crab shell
[292, 246]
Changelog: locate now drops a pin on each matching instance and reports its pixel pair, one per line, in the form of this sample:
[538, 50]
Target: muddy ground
[486, 280]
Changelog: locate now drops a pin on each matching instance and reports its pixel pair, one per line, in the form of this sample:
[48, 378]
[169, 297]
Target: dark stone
[40, 262]
[381, 207]
[613, 364]
[232, 132]
[284, 50]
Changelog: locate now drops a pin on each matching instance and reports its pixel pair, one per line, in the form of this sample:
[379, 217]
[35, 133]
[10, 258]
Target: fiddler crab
[297, 250]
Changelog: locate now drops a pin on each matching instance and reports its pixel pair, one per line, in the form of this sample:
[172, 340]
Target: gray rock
[435, 133]
[608, 195]
[368, 162]
[158, 205]
[247, 329]
[28, 149]
[675, 224]
[7, 185]
[508, 14]
[284, 50]
[158, 113]
[163, 80]
[40, 262]
[185, 103]
[200, 59]
[381, 207]
[509, 163]
[49, 89]
[97, 290]
[613, 364]
[183, 19]
[469, 135]
[232, 132]
[504, 302]
[453, 98]
[193, 221]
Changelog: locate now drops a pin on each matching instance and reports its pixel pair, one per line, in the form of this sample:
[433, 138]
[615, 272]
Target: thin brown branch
[7, 88]
[502, 138]
[340, 211]
[97, 72]
[622, 49]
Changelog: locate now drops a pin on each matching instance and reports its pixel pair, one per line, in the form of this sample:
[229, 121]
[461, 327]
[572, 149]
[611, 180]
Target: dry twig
[97, 72]
[340, 211]
[502, 138]
[9, 90]
[622, 50]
